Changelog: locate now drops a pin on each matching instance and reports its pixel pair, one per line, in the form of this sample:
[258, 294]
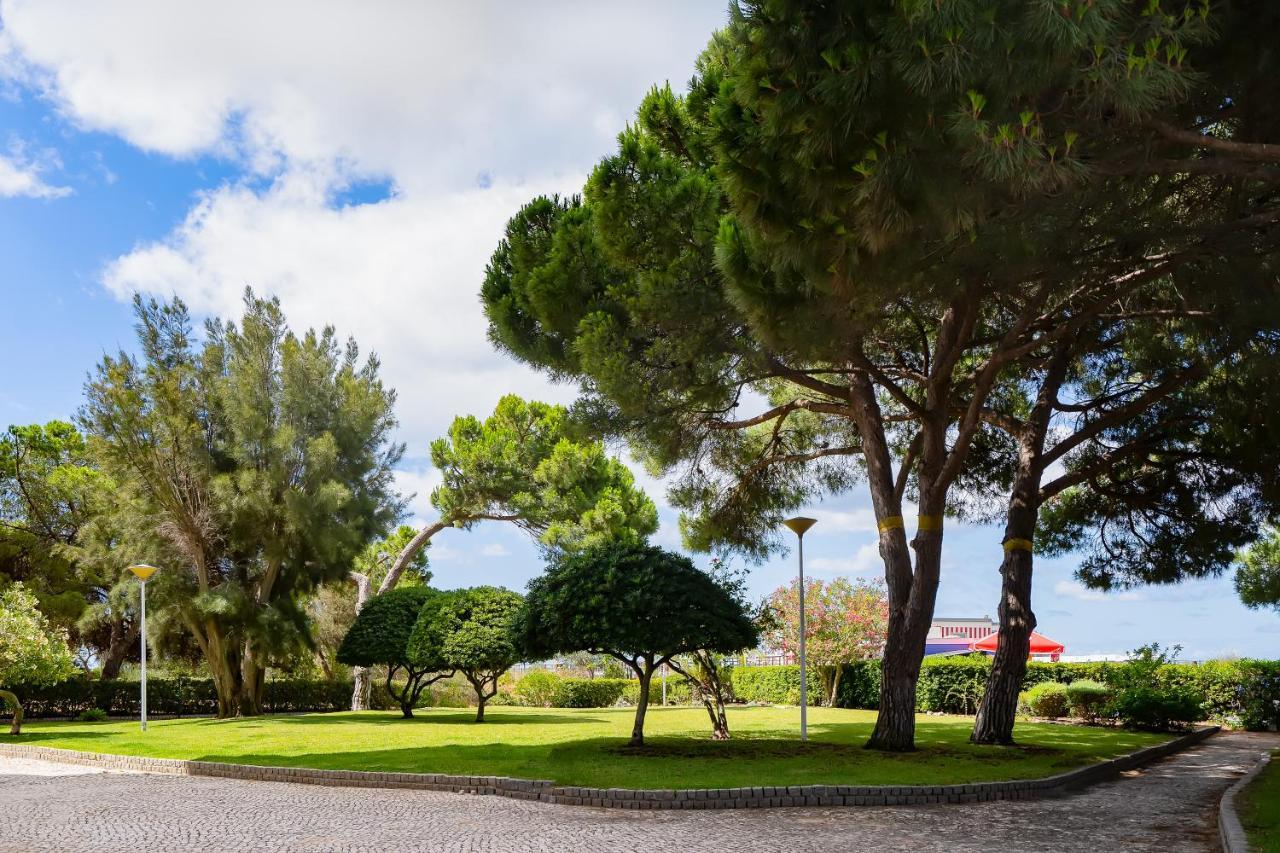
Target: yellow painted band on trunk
[1017, 545]
[893, 522]
[929, 522]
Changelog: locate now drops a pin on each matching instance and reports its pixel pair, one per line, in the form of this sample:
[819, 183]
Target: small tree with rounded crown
[637, 603]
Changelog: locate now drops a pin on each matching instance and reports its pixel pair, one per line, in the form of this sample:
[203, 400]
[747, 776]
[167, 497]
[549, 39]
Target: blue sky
[360, 165]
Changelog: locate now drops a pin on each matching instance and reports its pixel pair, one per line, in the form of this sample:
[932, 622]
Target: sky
[359, 161]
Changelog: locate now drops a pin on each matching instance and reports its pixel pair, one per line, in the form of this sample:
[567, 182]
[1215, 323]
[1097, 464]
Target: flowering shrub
[844, 622]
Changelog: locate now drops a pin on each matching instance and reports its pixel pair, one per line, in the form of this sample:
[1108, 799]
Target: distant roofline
[963, 619]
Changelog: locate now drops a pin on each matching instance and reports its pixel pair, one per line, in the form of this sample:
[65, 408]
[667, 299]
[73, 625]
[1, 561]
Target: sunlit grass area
[587, 746]
[1259, 809]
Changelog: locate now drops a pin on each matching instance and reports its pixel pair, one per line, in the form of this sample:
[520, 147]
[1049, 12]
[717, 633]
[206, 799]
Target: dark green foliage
[176, 697]
[1153, 709]
[589, 692]
[638, 603]
[380, 634]
[93, 715]
[1243, 692]
[468, 631]
[1258, 573]
[633, 602]
[1047, 699]
[380, 637]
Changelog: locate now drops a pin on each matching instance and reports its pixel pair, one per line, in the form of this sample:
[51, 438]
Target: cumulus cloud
[865, 562]
[495, 549]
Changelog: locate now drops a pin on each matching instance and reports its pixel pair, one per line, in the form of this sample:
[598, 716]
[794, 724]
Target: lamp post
[798, 526]
[144, 573]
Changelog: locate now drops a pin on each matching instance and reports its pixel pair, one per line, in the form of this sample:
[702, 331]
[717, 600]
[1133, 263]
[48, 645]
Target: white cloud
[308, 98]
[19, 177]
[1080, 592]
[418, 481]
[495, 549]
[859, 520]
[865, 562]
[426, 93]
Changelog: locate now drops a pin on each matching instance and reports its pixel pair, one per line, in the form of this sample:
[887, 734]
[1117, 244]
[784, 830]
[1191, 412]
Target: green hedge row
[1244, 693]
[176, 697]
[588, 692]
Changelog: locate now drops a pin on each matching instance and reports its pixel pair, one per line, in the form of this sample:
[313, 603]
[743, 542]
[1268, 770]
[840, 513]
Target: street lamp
[144, 573]
[798, 526]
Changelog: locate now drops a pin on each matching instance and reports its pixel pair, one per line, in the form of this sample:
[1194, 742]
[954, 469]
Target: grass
[1259, 808]
[587, 746]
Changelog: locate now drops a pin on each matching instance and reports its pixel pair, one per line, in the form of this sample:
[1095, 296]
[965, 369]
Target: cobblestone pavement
[1168, 806]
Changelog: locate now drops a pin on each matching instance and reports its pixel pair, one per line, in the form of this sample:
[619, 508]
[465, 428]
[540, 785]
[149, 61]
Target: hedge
[175, 697]
[588, 692]
[1242, 693]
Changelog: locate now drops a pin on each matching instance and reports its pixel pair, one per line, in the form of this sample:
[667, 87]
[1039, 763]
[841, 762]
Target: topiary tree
[380, 637]
[470, 632]
[31, 652]
[637, 603]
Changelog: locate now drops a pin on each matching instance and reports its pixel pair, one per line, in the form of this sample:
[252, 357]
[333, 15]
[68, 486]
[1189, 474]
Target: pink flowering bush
[845, 621]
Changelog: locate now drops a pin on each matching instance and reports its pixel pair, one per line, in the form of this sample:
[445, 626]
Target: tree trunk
[225, 673]
[835, 685]
[253, 674]
[11, 699]
[642, 705]
[362, 682]
[123, 636]
[999, 705]
[909, 623]
[480, 700]
[710, 689]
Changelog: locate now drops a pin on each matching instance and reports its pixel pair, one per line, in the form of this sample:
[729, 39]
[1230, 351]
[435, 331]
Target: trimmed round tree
[32, 653]
[637, 603]
[470, 632]
[380, 637]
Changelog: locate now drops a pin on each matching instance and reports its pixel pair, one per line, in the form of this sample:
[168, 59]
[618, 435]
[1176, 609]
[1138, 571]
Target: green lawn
[587, 746]
[1259, 808]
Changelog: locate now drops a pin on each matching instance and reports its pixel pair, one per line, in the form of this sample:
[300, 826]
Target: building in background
[953, 636]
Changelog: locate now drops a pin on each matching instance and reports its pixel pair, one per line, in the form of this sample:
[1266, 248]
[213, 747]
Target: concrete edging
[1229, 828]
[627, 798]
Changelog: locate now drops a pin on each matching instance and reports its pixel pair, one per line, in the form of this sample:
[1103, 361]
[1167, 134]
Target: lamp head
[800, 524]
[143, 571]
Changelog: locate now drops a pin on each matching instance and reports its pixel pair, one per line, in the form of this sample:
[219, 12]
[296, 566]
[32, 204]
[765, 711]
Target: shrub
[1154, 709]
[1088, 699]
[773, 685]
[537, 688]
[679, 691]
[1048, 700]
[952, 685]
[179, 697]
[588, 692]
[93, 715]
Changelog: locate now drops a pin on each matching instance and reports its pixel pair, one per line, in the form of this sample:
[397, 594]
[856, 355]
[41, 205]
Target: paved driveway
[1169, 806]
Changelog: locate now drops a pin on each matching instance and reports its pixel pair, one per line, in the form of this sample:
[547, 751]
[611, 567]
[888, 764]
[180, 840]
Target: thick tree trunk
[480, 709]
[999, 706]
[123, 636]
[642, 705]
[224, 669]
[362, 682]
[252, 681]
[10, 699]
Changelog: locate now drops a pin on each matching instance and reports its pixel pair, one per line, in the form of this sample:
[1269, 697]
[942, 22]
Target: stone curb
[1229, 828]
[629, 798]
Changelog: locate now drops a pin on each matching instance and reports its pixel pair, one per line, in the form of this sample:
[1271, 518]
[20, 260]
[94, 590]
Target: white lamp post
[798, 526]
[144, 573]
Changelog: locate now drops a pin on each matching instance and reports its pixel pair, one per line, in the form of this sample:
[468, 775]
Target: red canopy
[1040, 644]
